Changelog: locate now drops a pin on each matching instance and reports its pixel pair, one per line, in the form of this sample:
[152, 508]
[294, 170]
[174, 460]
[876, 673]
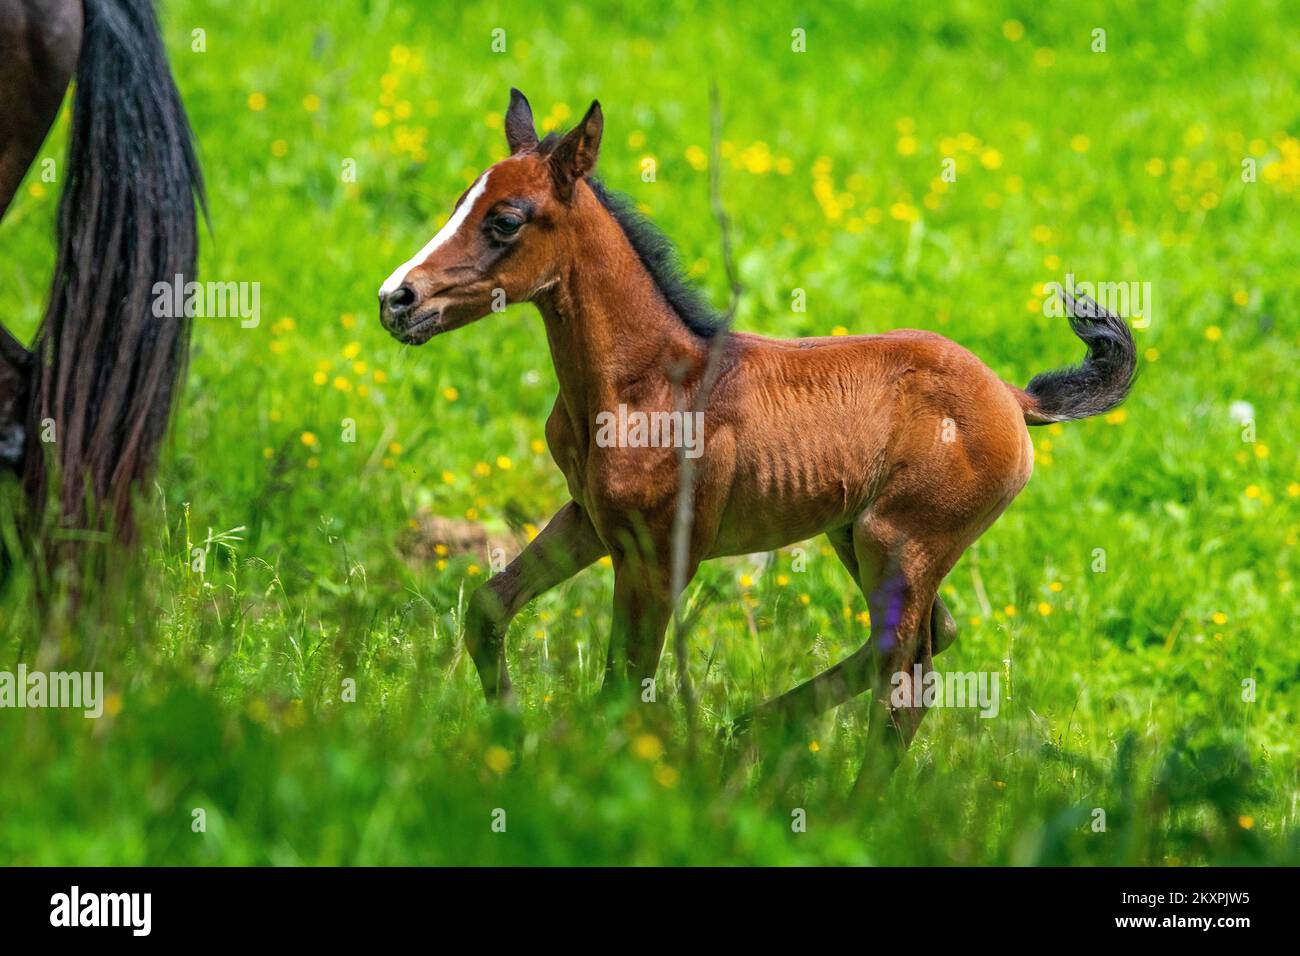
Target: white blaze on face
[444, 235]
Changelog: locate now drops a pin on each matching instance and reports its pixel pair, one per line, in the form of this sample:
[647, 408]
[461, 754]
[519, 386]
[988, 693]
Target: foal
[901, 448]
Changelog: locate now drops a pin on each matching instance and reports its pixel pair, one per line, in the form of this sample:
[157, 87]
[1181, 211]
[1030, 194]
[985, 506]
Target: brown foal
[901, 448]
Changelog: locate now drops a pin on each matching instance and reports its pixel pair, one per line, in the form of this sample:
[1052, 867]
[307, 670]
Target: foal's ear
[576, 154]
[520, 132]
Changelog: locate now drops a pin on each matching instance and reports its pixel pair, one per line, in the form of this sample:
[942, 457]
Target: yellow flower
[279, 148]
[313, 462]
[471, 514]
[1013, 30]
[504, 463]
[665, 776]
[991, 159]
[904, 212]
[1241, 297]
[498, 759]
[1261, 450]
[647, 747]
[1245, 821]
[782, 580]
[257, 102]
[1219, 618]
[697, 157]
[538, 446]
[36, 190]
[380, 376]
[805, 599]
[395, 447]
[1151, 355]
[348, 320]
[473, 570]
[1293, 489]
[746, 581]
[1057, 586]
[482, 469]
[448, 477]
[814, 746]
[309, 439]
[1009, 610]
[907, 146]
[1041, 234]
[1214, 333]
[320, 378]
[839, 330]
[311, 102]
[342, 384]
[1118, 417]
[1252, 491]
[1080, 142]
[352, 350]
[1044, 608]
[450, 393]
[1155, 166]
[381, 118]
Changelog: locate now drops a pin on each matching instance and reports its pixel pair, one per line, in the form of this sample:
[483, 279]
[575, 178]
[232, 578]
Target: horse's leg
[40, 41]
[643, 607]
[943, 629]
[896, 574]
[564, 547]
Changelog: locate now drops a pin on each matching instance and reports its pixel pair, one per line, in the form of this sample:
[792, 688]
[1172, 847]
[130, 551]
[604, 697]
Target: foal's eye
[507, 224]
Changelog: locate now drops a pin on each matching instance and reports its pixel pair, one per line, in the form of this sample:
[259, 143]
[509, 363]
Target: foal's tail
[105, 367]
[1103, 380]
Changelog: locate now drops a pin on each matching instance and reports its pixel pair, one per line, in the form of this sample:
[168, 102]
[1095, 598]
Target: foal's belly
[794, 481]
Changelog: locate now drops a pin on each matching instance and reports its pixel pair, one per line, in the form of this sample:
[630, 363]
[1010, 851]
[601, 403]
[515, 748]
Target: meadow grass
[1123, 688]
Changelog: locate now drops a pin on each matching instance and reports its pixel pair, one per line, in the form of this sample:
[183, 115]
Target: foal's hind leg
[564, 547]
[890, 571]
[943, 629]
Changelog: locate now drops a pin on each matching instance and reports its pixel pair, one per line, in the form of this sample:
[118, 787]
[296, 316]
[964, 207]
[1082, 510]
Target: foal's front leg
[564, 547]
[643, 607]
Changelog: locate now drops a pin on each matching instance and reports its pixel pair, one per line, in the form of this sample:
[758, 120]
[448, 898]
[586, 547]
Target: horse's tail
[105, 367]
[1101, 383]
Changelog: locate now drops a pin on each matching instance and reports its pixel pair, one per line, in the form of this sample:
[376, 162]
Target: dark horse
[84, 410]
[901, 448]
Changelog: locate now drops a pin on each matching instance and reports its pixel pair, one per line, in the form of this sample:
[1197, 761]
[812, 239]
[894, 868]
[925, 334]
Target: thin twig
[684, 518]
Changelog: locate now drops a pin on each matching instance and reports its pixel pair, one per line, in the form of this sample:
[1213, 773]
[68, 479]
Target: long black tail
[1103, 380]
[106, 369]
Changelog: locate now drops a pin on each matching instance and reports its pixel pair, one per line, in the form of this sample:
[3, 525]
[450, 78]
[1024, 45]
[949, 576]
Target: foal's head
[504, 238]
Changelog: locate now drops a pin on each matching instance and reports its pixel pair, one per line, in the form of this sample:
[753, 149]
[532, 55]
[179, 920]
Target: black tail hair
[1101, 383]
[105, 368]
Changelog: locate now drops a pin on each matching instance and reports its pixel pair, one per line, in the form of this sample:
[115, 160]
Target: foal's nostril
[401, 298]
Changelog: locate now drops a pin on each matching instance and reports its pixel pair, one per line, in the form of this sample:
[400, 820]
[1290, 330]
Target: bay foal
[901, 448]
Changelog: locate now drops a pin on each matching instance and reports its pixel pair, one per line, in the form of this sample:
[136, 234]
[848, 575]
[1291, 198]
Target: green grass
[1126, 686]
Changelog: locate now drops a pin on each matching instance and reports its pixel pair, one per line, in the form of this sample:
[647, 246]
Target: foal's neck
[613, 336]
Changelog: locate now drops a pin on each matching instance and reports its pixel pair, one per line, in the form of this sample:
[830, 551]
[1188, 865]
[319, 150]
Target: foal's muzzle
[400, 314]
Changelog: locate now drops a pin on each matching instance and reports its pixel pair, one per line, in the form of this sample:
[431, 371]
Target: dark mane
[657, 254]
